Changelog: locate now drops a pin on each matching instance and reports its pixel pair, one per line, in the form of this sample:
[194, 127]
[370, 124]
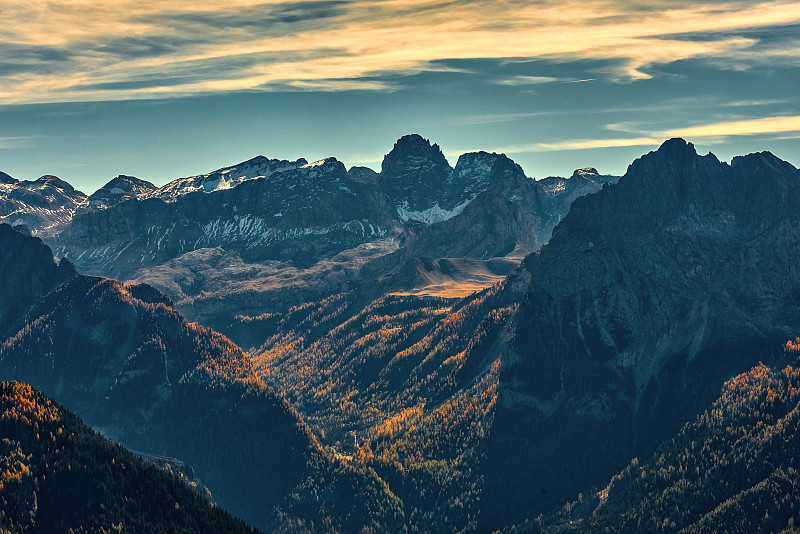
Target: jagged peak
[486, 164]
[413, 147]
[6, 179]
[415, 142]
[676, 144]
[321, 162]
[481, 155]
[260, 160]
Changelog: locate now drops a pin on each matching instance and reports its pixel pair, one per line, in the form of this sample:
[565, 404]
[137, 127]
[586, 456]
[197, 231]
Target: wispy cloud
[13, 143]
[65, 50]
[580, 144]
[709, 133]
[529, 80]
[745, 127]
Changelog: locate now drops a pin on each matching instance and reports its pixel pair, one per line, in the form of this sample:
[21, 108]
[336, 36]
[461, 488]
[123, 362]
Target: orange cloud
[327, 43]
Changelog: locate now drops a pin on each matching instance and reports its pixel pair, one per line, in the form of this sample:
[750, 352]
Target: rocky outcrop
[28, 273]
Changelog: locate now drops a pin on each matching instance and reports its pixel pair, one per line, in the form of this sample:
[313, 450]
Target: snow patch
[432, 215]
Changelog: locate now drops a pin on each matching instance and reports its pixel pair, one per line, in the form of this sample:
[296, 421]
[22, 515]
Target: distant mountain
[118, 190]
[301, 214]
[227, 177]
[60, 476]
[272, 234]
[43, 205]
[122, 358]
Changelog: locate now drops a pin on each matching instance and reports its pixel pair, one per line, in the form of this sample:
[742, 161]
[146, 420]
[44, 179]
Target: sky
[90, 89]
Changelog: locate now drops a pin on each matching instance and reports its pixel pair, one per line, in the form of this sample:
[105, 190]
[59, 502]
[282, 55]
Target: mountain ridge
[317, 225]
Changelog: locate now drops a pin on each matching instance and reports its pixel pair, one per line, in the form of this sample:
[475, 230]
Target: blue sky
[93, 88]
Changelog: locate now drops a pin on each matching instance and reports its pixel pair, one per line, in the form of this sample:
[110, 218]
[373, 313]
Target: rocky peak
[29, 272]
[414, 173]
[591, 174]
[42, 205]
[54, 181]
[325, 164]
[6, 179]
[363, 175]
[586, 171]
[476, 171]
[120, 189]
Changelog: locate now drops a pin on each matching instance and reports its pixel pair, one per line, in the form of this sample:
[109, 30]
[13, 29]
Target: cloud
[709, 133]
[528, 80]
[66, 50]
[581, 144]
[14, 143]
[744, 127]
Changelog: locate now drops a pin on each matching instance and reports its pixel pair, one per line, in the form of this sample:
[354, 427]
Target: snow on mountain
[43, 205]
[227, 177]
[432, 215]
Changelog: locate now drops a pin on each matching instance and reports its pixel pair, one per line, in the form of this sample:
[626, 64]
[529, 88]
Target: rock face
[44, 205]
[649, 294]
[29, 273]
[414, 176]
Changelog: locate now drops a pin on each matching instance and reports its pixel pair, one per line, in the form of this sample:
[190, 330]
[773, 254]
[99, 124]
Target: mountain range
[280, 233]
[431, 348]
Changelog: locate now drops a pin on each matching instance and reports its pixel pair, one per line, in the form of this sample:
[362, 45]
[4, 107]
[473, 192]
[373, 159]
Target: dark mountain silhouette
[650, 294]
[58, 475]
[733, 469]
[28, 274]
